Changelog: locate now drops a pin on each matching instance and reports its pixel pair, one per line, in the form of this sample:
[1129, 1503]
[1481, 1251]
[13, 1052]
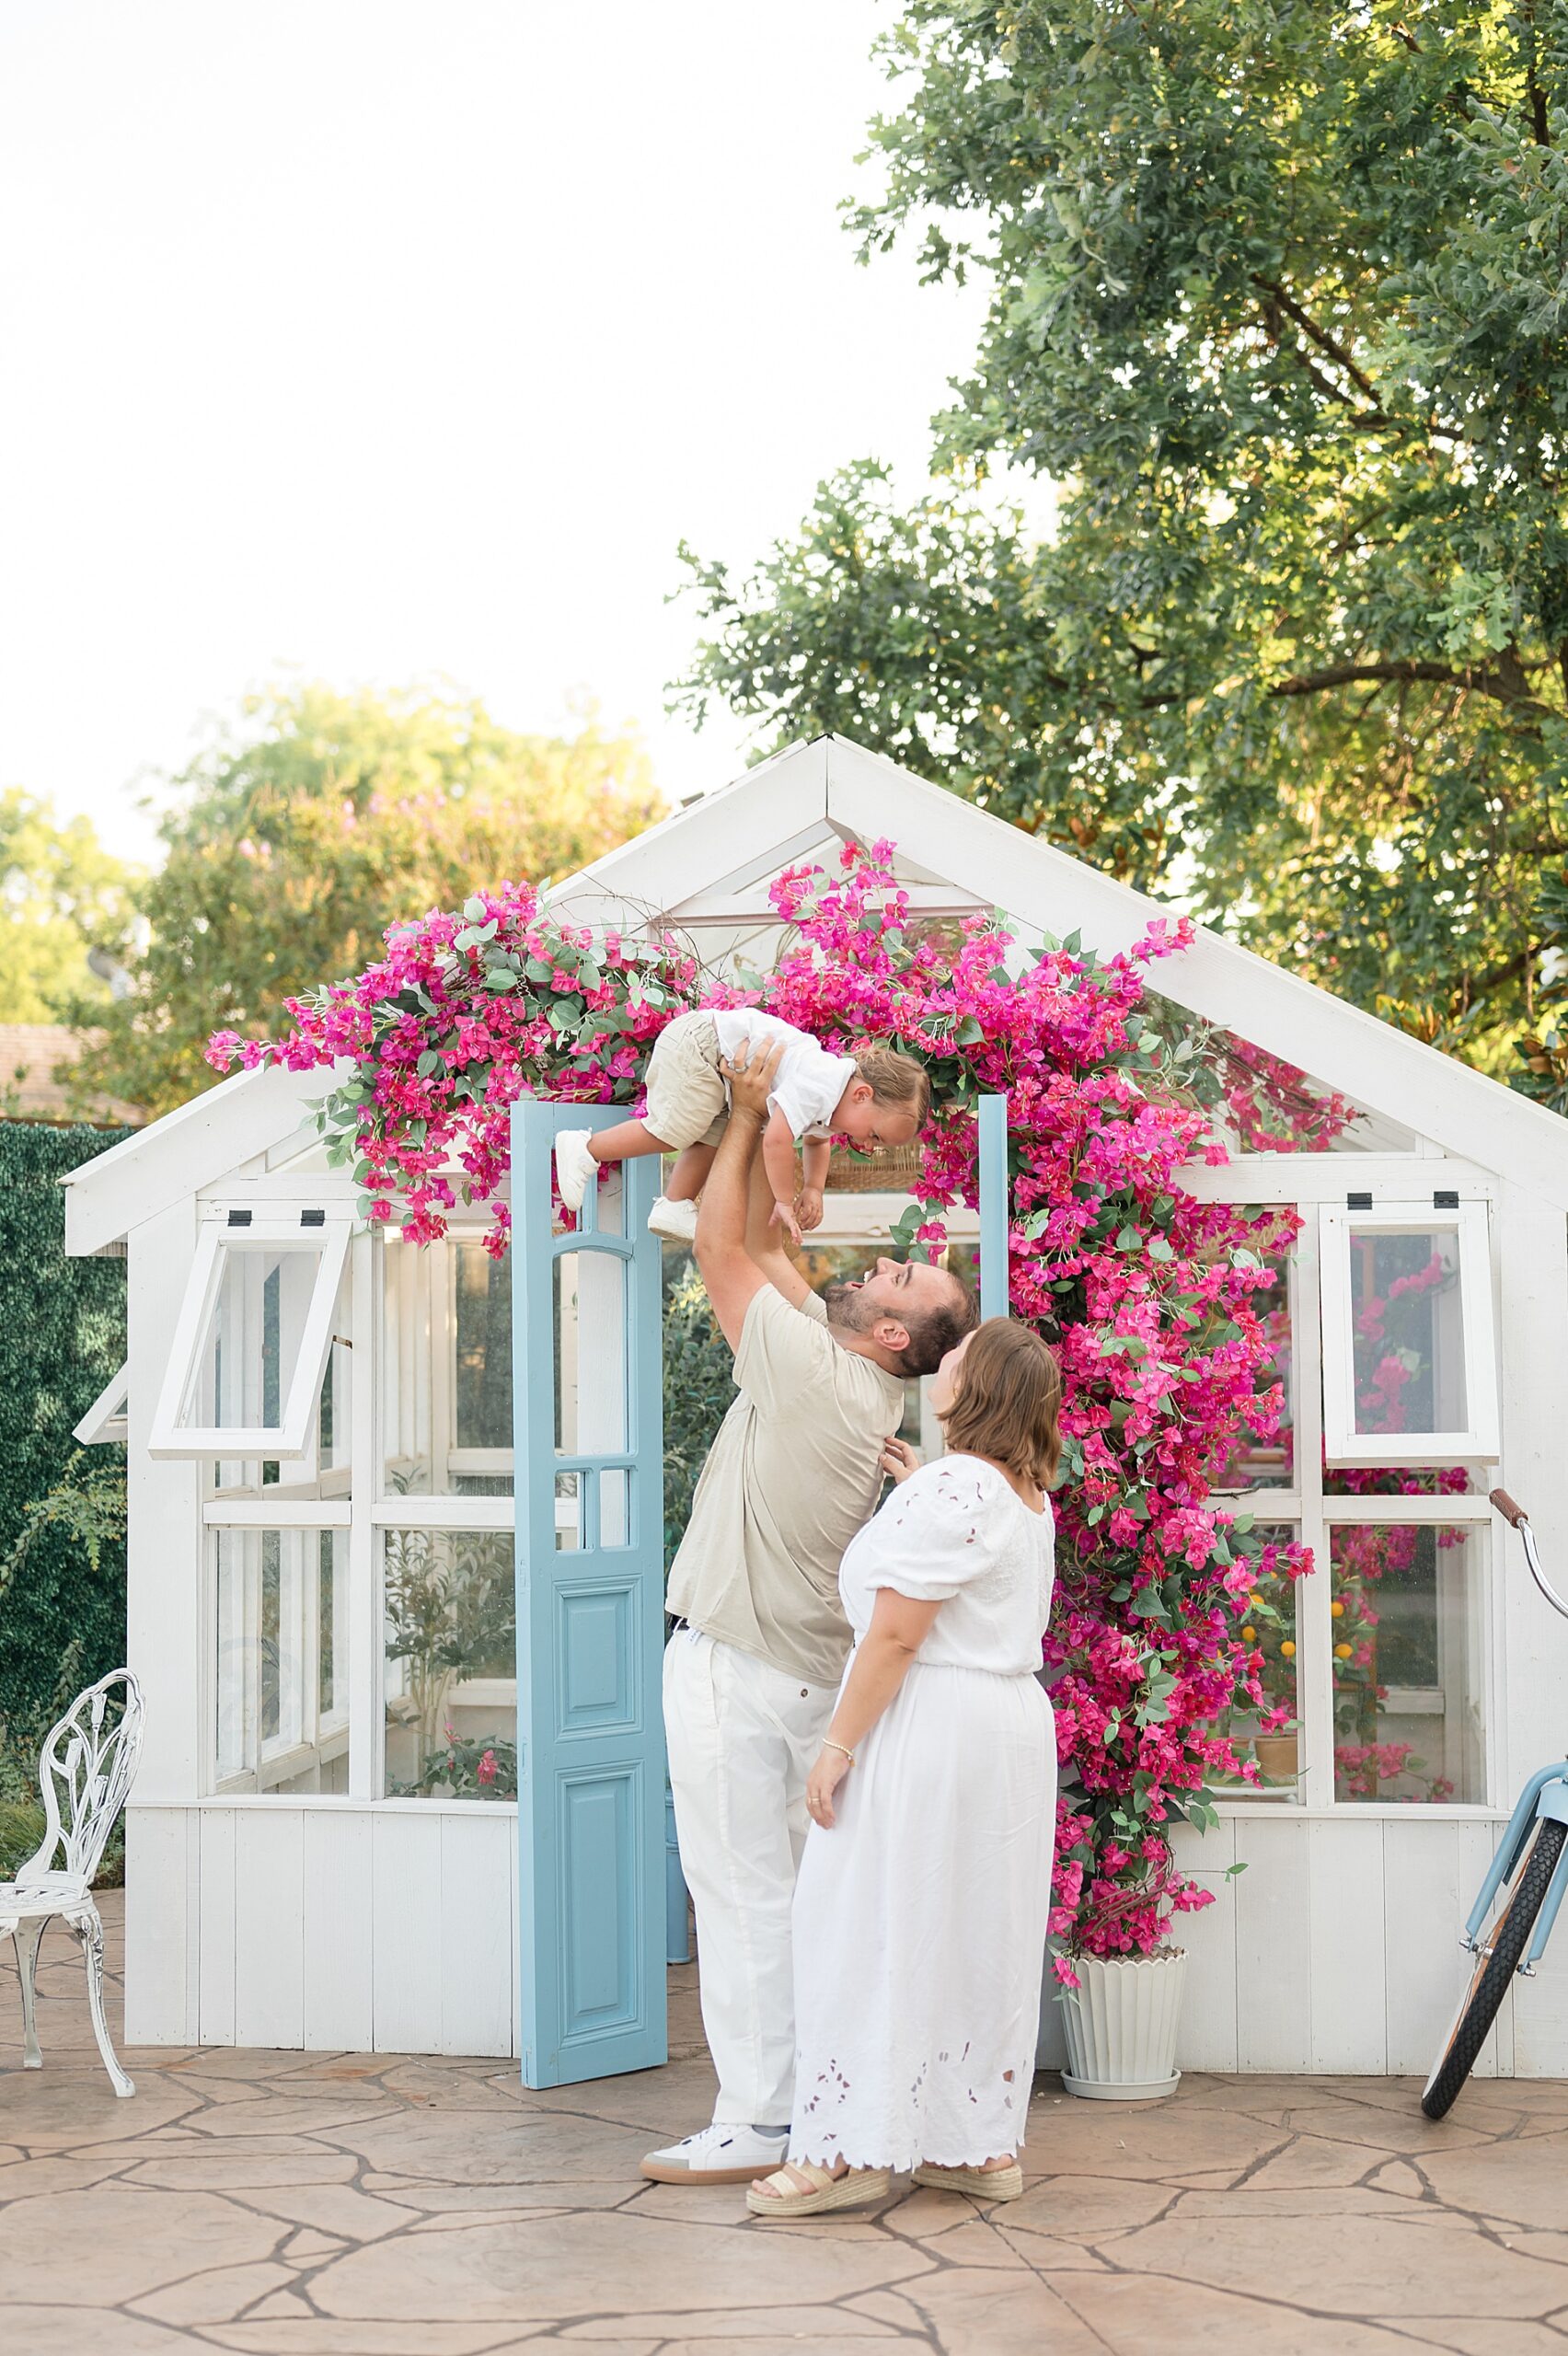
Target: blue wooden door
[589, 1615]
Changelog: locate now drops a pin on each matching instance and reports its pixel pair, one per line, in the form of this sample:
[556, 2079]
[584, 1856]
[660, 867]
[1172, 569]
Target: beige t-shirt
[791, 1476]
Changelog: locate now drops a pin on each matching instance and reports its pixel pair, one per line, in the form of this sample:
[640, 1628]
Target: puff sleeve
[939, 1531]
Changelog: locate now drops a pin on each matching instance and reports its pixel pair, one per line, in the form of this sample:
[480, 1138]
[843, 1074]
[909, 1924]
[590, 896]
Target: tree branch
[1322, 338]
[1502, 685]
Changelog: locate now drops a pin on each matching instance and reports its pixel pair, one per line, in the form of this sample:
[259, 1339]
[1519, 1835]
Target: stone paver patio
[289, 2204]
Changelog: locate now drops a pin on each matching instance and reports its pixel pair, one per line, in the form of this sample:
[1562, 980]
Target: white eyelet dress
[919, 1924]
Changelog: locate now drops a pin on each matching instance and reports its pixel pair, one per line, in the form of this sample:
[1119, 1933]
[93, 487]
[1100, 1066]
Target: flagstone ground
[289, 2204]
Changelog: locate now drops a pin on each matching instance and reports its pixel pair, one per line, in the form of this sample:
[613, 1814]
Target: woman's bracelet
[828, 1744]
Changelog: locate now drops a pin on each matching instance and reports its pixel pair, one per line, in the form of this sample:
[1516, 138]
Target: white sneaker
[574, 1166]
[722, 2154]
[675, 1220]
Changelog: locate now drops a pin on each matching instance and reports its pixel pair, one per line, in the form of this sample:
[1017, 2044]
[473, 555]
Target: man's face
[895, 1289]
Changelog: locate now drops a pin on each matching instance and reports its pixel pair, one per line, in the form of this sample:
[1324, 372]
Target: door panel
[589, 1615]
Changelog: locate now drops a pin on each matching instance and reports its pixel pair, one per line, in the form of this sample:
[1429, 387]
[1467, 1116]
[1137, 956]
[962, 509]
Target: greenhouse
[342, 1428]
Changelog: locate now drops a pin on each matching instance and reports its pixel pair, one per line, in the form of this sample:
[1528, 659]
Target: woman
[920, 1913]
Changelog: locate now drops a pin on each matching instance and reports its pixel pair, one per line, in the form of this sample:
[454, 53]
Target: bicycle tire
[1495, 1967]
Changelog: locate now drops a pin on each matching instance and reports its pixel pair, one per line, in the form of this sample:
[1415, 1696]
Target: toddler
[877, 1098]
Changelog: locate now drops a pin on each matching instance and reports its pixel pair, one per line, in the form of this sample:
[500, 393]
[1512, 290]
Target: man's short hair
[935, 1330]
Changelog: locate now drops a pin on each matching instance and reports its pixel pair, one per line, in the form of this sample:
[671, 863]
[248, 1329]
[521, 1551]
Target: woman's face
[947, 1379]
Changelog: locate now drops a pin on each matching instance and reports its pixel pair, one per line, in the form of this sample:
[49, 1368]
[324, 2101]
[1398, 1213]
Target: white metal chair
[85, 1771]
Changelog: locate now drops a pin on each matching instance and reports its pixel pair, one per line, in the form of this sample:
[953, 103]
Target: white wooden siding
[1336, 1950]
[327, 1925]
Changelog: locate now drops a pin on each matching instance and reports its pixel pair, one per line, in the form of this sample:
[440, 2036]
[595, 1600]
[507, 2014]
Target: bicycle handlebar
[1520, 1521]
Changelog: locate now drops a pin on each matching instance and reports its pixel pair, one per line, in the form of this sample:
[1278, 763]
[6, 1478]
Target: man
[753, 1666]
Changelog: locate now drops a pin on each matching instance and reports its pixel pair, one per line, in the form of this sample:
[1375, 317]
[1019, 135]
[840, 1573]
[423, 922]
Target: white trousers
[742, 1736]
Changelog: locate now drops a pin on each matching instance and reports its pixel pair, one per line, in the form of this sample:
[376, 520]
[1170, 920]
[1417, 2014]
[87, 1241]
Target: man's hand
[750, 1080]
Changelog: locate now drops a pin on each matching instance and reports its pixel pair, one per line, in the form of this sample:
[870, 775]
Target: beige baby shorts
[687, 1103]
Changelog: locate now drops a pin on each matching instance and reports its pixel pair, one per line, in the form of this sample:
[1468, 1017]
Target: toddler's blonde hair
[896, 1080]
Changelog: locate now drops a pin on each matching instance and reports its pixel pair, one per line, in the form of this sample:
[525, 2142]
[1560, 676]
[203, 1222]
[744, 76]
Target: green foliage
[451, 1614]
[61, 1513]
[21, 1834]
[324, 818]
[1278, 300]
[60, 895]
[698, 1389]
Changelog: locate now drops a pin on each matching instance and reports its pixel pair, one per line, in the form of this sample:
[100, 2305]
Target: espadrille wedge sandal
[983, 2183]
[824, 2192]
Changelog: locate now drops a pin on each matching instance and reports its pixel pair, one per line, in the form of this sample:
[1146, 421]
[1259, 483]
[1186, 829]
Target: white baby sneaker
[574, 1166]
[675, 1221]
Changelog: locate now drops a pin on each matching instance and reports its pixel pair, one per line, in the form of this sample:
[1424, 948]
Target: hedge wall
[62, 1335]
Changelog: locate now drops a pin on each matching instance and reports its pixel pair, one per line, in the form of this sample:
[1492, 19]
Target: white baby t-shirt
[809, 1081]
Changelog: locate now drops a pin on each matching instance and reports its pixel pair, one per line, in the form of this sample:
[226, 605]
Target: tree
[300, 837]
[62, 895]
[1279, 299]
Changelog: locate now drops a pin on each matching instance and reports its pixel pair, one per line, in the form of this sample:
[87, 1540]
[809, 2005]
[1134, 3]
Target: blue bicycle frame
[1544, 1796]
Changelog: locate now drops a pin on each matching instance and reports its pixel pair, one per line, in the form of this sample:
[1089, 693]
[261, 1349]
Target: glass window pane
[247, 1358]
[280, 1621]
[332, 1624]
[1407, 1332]
[615, 1508]
[1268, 1737]
[590, 1335]
[1256, 1101]
[483, 1296]
[568, 1511]
[1255, 1463]
[1408, 1650]
[446, 1372]
[608, 1214]
[451, 1644]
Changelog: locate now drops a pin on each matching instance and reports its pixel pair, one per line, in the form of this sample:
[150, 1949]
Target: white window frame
[1479, 1442]
[106, 1418]
[327, 1238]
[321, 1735]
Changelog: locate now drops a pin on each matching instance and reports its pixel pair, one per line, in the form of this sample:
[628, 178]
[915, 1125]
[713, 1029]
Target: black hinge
[1446, 1198]
[313, 1218]
[1358, 1202]
[239, 1218]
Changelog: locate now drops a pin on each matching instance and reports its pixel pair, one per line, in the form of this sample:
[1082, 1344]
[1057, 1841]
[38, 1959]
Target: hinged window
[1410, 1371]
[252, 1340]
[105, 1419]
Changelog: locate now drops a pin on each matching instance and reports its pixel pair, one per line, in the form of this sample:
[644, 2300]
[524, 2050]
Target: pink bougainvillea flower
[1148, 1294]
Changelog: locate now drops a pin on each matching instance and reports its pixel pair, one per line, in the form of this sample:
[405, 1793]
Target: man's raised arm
[765, 1239]
[732, 1276]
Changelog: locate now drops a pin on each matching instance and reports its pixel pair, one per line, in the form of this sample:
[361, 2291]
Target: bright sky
[380, 341]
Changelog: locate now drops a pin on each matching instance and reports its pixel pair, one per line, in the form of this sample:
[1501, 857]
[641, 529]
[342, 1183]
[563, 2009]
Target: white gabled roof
[197, 1143]
[708, 867]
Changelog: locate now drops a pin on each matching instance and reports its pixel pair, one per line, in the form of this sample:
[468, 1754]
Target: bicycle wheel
[1499, 1957]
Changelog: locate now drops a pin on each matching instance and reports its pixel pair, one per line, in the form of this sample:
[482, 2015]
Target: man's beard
[846, 1305]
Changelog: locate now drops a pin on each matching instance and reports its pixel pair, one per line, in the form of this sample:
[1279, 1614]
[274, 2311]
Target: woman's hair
[895, 1078]
[1010, 1397]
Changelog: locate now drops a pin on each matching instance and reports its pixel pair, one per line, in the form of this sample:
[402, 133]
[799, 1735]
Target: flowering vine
[1147, 1293]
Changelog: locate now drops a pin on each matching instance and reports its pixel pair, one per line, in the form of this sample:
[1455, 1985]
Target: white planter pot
[1121, 2024]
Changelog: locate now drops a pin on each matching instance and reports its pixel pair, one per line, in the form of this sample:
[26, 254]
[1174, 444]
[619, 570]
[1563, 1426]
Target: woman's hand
[822, 1783]
[899, 1459]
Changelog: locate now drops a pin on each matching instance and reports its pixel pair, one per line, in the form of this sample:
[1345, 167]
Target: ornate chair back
[84, 1771]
